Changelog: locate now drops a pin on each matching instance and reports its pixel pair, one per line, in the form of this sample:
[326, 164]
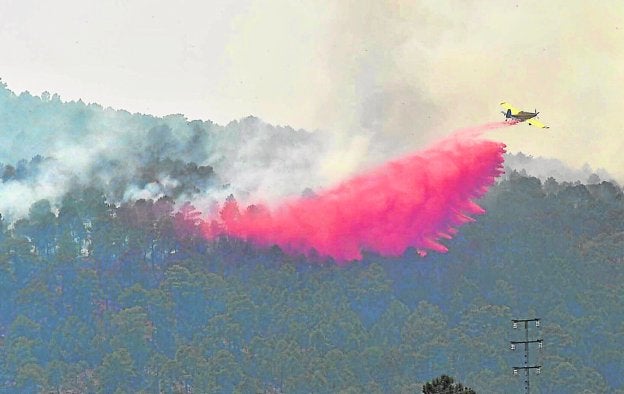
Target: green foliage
[445, 385]
[117, 371]
[98, 297]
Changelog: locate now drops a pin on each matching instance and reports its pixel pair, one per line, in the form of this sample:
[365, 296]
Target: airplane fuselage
[520, 116]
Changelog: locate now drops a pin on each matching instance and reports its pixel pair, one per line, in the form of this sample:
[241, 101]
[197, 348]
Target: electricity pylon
[540, 343]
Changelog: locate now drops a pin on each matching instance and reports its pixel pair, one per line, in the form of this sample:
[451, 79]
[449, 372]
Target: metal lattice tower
[540, 343]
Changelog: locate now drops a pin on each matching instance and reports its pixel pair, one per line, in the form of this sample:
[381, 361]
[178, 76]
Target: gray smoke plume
[544, 168]
[50, 146]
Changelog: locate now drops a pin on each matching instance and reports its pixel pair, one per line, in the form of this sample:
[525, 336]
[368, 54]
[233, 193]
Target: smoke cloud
[50, 147]
[544, 168]
[411, 202]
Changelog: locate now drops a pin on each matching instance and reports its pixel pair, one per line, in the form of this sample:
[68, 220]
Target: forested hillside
[105, 297]
[107, 286]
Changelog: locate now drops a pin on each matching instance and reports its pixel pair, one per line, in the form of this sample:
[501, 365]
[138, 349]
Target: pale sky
[398, 72]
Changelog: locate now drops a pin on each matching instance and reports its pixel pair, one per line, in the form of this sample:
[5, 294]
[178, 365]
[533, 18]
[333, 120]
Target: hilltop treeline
[50, 146]
[133, 156]
[100, 297]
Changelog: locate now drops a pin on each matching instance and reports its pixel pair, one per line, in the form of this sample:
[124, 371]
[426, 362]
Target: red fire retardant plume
[410, 202]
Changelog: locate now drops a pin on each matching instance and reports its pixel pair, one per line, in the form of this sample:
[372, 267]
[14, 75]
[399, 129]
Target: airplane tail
[507, 114]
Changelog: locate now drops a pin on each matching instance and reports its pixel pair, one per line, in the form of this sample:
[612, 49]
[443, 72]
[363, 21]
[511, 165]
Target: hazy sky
[392, 74]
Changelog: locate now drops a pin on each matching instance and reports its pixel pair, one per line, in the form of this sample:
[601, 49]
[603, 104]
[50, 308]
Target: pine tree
[445, 385]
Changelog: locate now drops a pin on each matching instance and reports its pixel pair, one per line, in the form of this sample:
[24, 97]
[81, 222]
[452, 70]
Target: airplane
[521, 116]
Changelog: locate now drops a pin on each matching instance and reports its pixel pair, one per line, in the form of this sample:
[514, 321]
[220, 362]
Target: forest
[100, 297]
[106, 285]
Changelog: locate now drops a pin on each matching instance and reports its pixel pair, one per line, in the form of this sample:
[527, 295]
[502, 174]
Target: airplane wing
[506, 105]
[536, 123]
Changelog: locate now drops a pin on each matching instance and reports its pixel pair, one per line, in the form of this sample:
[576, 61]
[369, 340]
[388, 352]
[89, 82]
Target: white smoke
[133, 156]
[136, 156]
[544, 168]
